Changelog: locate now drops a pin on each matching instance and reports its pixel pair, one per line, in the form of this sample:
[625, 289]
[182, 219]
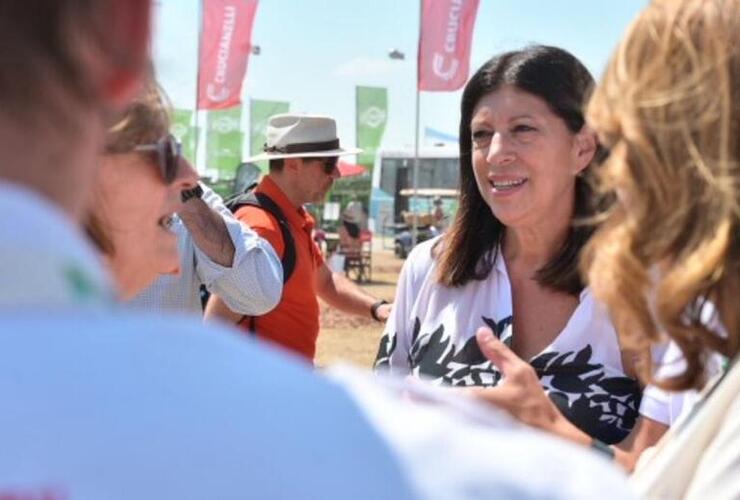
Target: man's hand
[521, 393]
[339, 291]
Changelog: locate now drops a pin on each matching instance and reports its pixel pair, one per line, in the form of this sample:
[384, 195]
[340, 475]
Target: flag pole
[357, 121]
[415, 181]
[197, 82]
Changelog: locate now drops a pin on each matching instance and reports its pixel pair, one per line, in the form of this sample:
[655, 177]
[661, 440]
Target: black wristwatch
[187, 194]
[374, 309]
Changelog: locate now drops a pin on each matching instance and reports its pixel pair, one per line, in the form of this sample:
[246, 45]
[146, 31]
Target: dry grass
[352, 339]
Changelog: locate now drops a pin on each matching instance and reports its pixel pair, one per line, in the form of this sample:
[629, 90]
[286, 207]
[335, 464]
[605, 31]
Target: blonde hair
[668, 108]
[144, 121]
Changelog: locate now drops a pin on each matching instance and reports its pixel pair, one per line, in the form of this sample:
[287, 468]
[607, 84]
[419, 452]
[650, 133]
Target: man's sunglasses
[168, 151]
[329, 163]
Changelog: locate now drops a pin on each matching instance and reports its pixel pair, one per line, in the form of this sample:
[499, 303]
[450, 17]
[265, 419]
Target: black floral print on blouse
[604, 407]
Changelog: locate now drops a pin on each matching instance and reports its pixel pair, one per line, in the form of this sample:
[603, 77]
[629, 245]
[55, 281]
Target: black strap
[264, 202]
[289, 253]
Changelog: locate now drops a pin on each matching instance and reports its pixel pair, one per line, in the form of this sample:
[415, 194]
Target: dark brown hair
[467, 251]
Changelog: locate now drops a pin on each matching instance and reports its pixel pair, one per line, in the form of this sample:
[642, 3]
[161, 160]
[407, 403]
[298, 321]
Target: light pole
[398, 55]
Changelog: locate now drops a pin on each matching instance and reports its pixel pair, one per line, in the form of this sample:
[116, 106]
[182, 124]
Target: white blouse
[669, 407]
[431, 335]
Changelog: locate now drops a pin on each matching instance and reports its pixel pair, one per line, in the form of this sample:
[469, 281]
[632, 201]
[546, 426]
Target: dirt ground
[344, 337]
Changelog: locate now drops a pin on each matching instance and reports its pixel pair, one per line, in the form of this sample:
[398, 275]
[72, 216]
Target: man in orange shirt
[303, 151]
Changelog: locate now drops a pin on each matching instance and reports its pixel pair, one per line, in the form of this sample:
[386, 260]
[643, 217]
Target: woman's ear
[585, 145]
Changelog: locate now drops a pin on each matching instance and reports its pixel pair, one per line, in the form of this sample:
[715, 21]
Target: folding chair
[358, 258]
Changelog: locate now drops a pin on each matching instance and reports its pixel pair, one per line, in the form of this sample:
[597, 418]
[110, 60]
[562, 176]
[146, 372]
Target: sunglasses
[329, 163]
[168, 151]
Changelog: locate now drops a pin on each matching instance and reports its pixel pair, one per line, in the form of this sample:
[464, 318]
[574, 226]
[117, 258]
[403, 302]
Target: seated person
[349, 234]
[439, 219]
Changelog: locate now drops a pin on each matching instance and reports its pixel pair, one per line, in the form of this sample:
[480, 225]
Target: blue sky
[314, 52]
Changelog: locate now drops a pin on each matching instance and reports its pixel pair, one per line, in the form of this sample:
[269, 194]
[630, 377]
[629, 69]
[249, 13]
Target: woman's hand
[521, 393]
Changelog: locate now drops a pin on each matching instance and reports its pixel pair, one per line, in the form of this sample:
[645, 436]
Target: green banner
[224, 141]
[259, 112]
[182, 128]
[372, 113]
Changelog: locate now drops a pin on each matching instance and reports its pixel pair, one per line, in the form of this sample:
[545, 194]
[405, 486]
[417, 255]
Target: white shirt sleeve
[669, 407]
[253, 283]
[656, 403]
[401, 327]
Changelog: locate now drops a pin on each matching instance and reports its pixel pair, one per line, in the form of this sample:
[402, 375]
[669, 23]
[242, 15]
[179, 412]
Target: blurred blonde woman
[666, 260]
[137, 192]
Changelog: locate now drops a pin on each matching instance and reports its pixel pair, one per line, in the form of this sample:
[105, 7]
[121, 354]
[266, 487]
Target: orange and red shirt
[294, 323]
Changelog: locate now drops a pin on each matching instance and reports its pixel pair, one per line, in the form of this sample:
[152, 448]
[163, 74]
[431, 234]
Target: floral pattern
[603, 406]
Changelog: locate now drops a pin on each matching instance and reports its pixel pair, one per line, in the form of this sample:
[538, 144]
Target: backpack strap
[264, 202]
[289, 253]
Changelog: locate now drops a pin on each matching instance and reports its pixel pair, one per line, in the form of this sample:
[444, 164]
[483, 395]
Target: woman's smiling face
[525, 159]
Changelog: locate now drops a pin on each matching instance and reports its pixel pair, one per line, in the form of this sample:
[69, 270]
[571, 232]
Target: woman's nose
[187, 177]
[500, 151]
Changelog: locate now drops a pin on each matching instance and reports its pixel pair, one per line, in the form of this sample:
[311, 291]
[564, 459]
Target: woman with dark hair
[666, 258]
[510, 259]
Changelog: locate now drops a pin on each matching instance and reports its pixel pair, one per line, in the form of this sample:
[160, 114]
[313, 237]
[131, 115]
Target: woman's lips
[506, 186]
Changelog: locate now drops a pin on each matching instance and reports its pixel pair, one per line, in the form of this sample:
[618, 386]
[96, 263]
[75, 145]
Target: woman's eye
[523, 128]
[480, 135]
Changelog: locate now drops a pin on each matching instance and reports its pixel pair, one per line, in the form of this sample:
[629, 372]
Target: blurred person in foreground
[122, 226]
[510, 259]
[104, 402]
[215, 250]
[666, 259]
[137, 192]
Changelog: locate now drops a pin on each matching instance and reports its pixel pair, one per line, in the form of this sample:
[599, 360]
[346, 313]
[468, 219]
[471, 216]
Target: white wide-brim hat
[349, 217]
[301, 136]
